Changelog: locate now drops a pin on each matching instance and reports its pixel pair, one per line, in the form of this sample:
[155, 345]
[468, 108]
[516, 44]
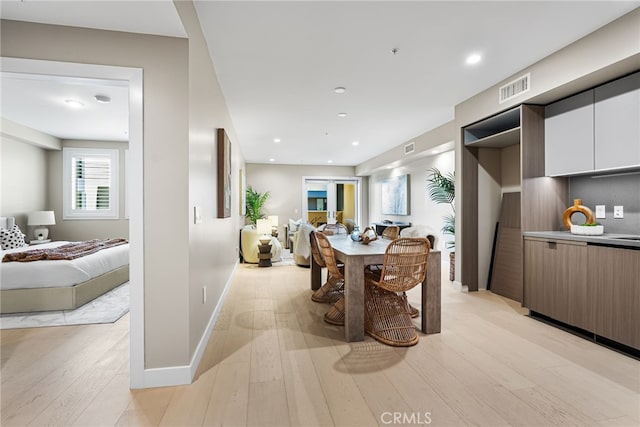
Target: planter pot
[587, 230]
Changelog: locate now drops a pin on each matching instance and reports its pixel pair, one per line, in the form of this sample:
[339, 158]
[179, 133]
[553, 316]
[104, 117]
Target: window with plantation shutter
[90, 188]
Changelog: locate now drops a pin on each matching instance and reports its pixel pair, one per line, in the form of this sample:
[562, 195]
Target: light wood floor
[273, 361]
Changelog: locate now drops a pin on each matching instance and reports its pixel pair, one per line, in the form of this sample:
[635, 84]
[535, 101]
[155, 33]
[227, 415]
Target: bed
[61, 284]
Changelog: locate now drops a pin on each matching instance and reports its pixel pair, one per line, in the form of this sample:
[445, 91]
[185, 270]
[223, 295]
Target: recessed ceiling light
[340, 89]
[329, 161]
[272, 160]
[103, 99]
[354, 143]
[73, 103]
[473, 59]
[276, 140]
[342, 114]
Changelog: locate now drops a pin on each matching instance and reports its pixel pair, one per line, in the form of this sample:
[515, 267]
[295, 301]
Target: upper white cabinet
[568, 135]
[595, 130]
[617, 123]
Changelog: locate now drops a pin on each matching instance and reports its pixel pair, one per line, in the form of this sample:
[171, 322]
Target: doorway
[133, 77]
[330, 200]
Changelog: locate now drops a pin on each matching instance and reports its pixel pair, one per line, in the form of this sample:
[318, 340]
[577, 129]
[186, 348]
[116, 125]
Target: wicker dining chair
[387, 312]
[335, 315]
[333, 288]
[391, 232]
[334, 229]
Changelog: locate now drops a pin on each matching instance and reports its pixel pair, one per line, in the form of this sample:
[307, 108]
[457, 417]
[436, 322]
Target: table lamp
[39, 219]
[263, 227]
[274, 225]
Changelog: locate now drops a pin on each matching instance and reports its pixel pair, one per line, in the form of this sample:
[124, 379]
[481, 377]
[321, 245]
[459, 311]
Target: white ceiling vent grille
[409, 148]
[514, 88]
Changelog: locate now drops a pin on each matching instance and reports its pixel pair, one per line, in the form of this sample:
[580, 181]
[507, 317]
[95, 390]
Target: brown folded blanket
[65, 252]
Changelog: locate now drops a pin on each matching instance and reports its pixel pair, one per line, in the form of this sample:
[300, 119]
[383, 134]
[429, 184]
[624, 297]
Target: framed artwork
[224, 174]
[243, 193]
[395, 195]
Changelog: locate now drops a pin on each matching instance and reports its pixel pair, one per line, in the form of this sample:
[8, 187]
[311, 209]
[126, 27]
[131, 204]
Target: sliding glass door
[331, 200]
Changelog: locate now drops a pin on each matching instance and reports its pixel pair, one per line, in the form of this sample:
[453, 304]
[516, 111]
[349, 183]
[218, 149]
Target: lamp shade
[263, 226]
[41, 218]
[274, 220]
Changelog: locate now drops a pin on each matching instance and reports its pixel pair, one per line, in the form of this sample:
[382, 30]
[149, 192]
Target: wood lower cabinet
[614, 280]
[555, 276]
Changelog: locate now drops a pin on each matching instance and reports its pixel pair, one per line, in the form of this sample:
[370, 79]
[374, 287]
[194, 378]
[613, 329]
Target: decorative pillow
[293, 225]
[12, 238]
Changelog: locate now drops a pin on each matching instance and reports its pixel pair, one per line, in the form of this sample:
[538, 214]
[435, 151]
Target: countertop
[608, 239]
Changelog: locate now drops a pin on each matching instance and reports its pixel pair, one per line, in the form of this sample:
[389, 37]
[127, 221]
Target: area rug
[106, 308]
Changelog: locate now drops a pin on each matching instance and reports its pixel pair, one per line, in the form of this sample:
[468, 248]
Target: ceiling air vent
[514, 88]
[409, 148]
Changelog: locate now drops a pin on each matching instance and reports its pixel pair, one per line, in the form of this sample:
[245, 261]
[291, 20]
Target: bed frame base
[62, 298]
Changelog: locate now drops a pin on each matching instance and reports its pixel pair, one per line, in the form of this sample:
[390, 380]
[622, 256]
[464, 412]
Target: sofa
[249, 241]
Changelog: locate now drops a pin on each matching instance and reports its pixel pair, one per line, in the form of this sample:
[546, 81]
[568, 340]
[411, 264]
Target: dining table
[356, 256]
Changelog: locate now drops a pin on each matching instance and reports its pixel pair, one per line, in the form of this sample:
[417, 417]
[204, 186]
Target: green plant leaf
[254, 202]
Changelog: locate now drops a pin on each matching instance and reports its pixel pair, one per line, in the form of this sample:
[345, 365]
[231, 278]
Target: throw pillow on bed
[12, 238]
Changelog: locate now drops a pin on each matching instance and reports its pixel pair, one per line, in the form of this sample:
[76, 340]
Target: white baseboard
[181, 375]
[202, 345]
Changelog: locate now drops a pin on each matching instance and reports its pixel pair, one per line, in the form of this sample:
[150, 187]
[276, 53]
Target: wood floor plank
[75, 399]
[267, 404]
[305, 397]
[147, 407]
[229, 400]
[272, 360]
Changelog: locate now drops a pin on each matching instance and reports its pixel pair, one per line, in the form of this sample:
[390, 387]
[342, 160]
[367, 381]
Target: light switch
[197, 218]
[600, 212]
[618, 211]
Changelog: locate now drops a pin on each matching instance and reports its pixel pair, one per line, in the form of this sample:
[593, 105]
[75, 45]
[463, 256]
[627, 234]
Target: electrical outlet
[600, 212]
[204, 294]
[197, 217]
[618, 211]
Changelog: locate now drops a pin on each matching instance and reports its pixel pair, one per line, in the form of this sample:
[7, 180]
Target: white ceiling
[278, 62]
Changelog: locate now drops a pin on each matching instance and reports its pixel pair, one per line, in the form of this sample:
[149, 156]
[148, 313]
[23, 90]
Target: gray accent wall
[610, 190]
[24, 181]
[85, 229]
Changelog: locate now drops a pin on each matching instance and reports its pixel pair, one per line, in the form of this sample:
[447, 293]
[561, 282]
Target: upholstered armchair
[249, 241]
[421, 231]
[302, 245]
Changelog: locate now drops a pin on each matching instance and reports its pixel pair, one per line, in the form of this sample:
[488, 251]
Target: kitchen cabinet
[614, 283]
[595, 130]
[555, 280]
[617, 123]
[568, 135]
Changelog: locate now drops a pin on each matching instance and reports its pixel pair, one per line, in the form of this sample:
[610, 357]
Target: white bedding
[48, 274]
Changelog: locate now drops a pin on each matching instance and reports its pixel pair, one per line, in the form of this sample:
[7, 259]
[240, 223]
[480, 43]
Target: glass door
[331, 200]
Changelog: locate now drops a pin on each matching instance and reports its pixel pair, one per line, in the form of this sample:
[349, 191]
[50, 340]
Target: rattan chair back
[334, 229]
[326, 250]
[315, 252]
[405, 264]
[391, 232]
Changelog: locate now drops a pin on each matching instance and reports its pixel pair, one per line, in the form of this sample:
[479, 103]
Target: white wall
[284, 184]
[24, 181]
[85, 229]
[423, 210]
[213, 243]
[164, 61]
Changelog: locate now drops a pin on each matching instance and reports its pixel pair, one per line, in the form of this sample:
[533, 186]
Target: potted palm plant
[255, 202]
[442, 190]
